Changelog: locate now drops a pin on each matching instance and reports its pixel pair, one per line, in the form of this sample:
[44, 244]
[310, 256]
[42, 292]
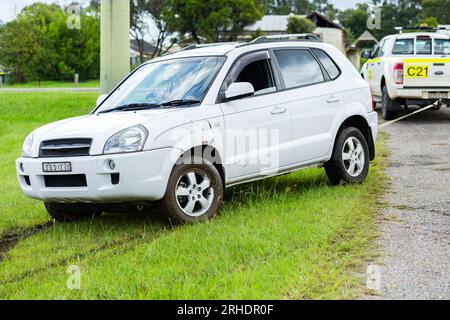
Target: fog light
[111, 164]
[21, 167]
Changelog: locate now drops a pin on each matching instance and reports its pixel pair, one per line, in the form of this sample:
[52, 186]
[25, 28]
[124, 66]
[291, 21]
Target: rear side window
[423, 45]
[441, 46]
[298, 68]
[330, 66]
[403, 46]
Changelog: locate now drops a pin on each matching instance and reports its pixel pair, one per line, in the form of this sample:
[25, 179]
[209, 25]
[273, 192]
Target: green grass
[292, 237]
[53, 84]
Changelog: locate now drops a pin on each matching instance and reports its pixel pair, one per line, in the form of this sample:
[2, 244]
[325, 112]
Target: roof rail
[420, 28]
[287, 37]
[207, 45]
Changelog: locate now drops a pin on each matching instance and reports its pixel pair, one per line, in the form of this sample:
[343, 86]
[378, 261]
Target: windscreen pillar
[114, 42]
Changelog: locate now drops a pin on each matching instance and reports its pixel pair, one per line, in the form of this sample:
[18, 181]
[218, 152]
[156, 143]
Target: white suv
[182, 127]
[409, 69]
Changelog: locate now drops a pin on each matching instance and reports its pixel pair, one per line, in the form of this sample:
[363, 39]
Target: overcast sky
[9, 8]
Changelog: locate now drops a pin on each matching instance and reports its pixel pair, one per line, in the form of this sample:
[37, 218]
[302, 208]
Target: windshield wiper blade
[180, 102]
[133, 107]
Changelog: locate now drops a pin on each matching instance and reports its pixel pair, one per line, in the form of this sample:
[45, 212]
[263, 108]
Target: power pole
[114, 42]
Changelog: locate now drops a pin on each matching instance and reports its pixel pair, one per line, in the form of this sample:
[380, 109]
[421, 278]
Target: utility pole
[114, 42]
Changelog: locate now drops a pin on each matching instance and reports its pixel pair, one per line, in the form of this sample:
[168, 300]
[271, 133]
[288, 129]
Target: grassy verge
[291, 237]
[53, 84]
[20, 114]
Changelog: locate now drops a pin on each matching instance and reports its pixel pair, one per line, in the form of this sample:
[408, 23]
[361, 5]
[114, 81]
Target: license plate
[56, 167]
[417, 71]
[438, 95]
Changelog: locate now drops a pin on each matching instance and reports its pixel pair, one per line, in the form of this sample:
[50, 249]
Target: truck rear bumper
[417, 93]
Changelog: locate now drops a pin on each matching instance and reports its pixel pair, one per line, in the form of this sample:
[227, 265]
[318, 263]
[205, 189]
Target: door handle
[333, 99]
[278, 110]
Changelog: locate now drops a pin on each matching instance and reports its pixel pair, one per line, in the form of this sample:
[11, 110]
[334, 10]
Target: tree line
[39, 45]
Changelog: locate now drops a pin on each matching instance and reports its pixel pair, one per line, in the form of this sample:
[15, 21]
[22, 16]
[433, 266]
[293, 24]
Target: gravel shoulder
[416, 224]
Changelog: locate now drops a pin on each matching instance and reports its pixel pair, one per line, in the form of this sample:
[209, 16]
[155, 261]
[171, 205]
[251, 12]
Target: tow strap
[434, 105]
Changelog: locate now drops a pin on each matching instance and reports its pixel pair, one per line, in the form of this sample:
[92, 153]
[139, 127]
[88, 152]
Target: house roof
[323, 21]
[148, 47]
[270, 23]
[278, 23]
[365, 37]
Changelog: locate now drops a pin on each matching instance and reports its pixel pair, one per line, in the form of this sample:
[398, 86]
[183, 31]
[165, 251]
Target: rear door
[314, 98]
[430, 67]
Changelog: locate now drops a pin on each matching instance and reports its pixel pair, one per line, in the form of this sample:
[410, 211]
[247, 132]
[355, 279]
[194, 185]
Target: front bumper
[143, 176]
[372, 118]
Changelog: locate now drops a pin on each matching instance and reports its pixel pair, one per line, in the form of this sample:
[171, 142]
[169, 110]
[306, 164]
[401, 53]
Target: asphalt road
[416, 225]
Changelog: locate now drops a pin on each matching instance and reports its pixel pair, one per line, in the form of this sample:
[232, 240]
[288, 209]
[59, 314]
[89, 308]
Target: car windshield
[404, 46]
[442, 46]
[159, 83]
[423, 45]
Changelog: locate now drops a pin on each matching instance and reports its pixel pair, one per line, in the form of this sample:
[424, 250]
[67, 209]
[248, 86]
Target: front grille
[65, 181]
[65, 148]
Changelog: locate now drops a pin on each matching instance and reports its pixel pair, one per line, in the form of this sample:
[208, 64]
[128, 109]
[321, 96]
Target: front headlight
[128, 140]
[27, 145]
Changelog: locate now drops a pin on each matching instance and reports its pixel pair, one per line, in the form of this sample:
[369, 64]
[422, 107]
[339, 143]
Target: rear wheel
[194, 193]
[389, 108]
[70, 212]
[350, 161]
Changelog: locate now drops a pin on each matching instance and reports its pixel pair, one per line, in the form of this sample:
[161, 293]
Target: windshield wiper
[180, 102]
[133, 107]
[145, 106]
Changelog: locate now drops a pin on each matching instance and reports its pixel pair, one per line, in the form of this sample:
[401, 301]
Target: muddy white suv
[181, 128]
[409, 69]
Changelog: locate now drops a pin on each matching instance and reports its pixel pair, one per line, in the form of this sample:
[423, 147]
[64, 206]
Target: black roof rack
[263, 39]
[207, 45]
[287, 37]
[420, 28]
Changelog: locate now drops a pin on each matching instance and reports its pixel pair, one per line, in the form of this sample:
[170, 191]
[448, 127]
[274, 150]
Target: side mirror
[239, 90]
[100, 99]
[367, 54]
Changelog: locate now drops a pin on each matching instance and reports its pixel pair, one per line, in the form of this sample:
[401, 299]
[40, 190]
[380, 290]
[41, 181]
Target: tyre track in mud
[9, 239]
[121, 246]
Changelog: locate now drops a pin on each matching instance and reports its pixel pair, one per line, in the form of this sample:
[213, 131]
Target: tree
[355, 20]
[138, 26]
[157, 9]
[298, 24]
[437, 8]
[39, 45]
[214, 20]
[431, 22]
[285, 7]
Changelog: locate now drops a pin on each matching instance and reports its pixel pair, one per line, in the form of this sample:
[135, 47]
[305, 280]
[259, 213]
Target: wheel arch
[382, 83]
[211, 154]
[361, 124]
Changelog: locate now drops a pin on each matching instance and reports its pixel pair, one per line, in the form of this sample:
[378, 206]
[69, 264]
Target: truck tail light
[398, 73]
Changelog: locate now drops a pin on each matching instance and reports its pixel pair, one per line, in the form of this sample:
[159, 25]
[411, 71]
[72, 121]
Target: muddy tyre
[350, 160]
[194, 193]
[389, 108]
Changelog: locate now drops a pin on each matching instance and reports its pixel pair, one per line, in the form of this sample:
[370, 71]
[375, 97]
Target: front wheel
[350, 160]
[194, 193]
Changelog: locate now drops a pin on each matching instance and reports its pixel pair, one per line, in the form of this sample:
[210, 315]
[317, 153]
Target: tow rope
[434, 105]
